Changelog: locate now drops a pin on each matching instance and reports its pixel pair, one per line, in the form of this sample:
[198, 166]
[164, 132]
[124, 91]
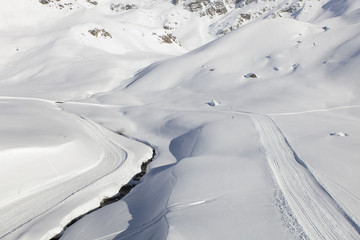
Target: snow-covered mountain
[252, 109]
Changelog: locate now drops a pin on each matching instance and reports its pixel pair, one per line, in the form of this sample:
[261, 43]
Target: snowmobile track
[316, 211]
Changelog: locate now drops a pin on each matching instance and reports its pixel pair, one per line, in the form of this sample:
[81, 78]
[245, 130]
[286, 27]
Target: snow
[307, 199]
[54, 137]
[312, 129]
[237, 157]
[52, 164]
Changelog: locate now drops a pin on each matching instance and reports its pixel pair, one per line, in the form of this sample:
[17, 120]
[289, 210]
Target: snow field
[53, 177]
[183, 86]
[204, 185]
[314, 129]
[215, 175]
[317, 212]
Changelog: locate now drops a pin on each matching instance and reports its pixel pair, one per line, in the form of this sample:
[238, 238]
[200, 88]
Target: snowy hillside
[252, 109]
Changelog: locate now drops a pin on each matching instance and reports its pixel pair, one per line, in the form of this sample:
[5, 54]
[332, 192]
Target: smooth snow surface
[53, 162]
[252, 107]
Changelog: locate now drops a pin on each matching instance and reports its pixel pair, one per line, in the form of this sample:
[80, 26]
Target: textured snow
[237, 156]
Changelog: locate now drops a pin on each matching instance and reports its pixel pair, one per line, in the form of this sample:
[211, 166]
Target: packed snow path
[316, 211]
[22, 211]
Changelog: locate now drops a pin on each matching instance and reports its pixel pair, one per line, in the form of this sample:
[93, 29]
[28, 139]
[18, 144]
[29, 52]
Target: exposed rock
[339, 134]
[242, 3]
[96, 32]
[246, 16]
[168, 38]
[196, 6]
[207, 7]
[213, 103]
[138, 176]
[121, 7]
[167, 27]
[295, 66]
[325, 28]
[290, 10]
[250, 75]
[92, 2]
[124, 190]
[44, 1]
[129, 6]
[114, 7]
[57, 4]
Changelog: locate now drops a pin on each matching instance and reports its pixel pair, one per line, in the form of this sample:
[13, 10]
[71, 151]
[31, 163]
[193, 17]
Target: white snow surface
[265, 160]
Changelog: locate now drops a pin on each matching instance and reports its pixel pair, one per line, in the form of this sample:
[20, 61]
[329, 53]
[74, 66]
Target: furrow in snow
[316, 211]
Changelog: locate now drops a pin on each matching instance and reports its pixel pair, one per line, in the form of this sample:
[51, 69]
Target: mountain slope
[199, 81]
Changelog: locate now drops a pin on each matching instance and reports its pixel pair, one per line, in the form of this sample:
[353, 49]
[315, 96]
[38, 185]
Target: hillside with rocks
[179, 119]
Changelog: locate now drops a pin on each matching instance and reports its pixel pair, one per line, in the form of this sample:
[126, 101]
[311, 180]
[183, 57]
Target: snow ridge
[316, 211]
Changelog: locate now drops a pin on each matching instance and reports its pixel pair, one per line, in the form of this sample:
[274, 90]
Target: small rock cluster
[121, 7]
[250, 75]
[96, 32]
[205, 7]
[214, 103]
[57, 4]
[339, 134]
[167, 38]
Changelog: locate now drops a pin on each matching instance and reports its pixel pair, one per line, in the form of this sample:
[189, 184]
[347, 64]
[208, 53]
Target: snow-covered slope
[253, 107]
[55, 166]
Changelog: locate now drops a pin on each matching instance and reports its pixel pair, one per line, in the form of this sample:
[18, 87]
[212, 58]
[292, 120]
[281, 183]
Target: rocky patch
[100, 33]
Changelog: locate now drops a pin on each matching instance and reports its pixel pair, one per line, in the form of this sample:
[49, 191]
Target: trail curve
[19, 213]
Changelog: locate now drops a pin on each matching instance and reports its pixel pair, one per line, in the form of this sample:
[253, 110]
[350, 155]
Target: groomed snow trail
[316, 211]
[22, 211]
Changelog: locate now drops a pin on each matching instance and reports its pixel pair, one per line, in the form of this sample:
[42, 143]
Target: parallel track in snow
[316, 211]
[15, 215]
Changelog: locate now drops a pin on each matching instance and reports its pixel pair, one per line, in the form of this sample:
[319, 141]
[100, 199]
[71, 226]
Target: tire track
[316, 211]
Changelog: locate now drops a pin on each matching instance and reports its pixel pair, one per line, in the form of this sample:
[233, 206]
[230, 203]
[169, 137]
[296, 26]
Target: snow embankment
[205, 194]
[56, 159]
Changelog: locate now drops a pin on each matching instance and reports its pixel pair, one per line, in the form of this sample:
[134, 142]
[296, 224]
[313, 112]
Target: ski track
[22, 211]
[316, 211]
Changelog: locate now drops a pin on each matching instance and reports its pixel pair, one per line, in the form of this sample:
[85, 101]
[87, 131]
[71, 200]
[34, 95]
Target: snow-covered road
[24, 210]
[315, 210]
